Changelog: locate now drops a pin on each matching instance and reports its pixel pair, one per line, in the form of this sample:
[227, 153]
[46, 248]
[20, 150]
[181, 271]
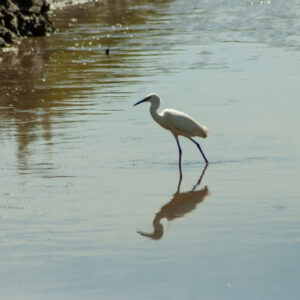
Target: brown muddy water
[90, 206]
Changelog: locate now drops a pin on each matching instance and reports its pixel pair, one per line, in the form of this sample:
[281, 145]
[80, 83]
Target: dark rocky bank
[21, 18]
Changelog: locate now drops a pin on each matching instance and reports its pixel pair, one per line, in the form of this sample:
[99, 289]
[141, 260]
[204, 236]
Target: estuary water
[90, 201]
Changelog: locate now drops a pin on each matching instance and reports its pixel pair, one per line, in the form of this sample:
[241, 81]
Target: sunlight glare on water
[91, 206]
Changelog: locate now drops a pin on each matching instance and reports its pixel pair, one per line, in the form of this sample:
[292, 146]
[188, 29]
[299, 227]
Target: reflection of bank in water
[180, 205]
[50, 84]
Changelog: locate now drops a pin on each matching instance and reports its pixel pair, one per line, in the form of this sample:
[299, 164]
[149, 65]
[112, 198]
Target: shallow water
[90, 206]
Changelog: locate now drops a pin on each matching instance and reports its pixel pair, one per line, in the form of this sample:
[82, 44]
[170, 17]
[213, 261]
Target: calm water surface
[90, 206]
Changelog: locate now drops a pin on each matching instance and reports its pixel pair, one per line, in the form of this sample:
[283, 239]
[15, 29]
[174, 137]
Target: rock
[20, 18]
[2, 42]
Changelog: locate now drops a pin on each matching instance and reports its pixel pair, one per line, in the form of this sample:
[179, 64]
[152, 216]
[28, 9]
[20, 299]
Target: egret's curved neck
[154, 113]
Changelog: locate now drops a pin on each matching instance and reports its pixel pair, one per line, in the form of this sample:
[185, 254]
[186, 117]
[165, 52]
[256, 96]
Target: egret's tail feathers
[204, 132]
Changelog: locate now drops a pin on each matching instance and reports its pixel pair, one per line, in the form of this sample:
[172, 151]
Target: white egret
[177, 122]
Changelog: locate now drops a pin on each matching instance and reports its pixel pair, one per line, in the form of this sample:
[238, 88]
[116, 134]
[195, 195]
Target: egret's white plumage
[177, 122]
[180, 123]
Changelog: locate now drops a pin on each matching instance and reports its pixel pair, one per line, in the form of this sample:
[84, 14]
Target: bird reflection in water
[181, 204]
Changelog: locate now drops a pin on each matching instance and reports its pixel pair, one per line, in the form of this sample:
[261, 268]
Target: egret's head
[152, 98]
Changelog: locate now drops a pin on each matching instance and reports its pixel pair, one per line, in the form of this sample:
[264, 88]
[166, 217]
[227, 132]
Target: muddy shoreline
[19, 19]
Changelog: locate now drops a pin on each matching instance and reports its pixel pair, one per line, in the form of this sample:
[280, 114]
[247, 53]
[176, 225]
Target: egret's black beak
[144, 100]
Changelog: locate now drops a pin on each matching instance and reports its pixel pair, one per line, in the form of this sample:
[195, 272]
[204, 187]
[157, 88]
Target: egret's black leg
[199, 149]
[180, 153]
